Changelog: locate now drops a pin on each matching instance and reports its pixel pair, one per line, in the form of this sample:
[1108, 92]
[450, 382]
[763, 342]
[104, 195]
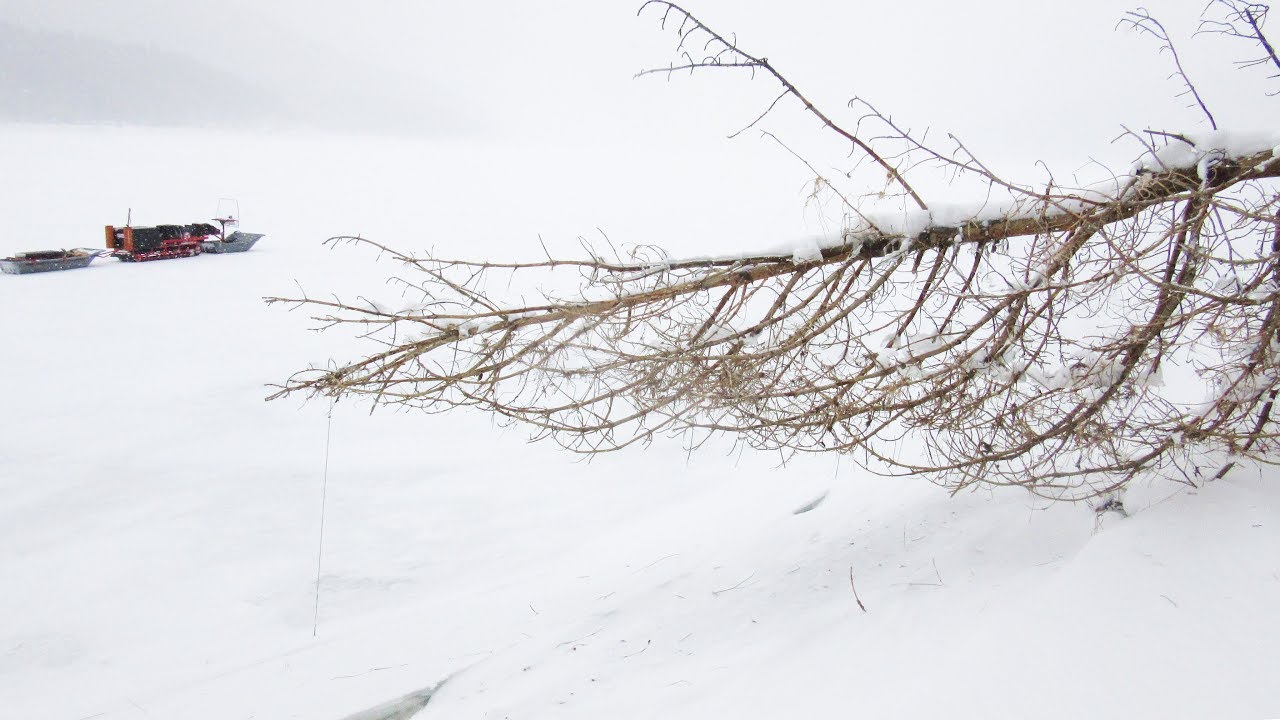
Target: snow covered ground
[159, 521]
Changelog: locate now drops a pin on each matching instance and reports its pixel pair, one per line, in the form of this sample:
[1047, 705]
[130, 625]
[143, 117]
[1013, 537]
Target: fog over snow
[1049, 82]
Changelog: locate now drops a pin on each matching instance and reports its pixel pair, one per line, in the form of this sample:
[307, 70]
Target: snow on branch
[1047, 342]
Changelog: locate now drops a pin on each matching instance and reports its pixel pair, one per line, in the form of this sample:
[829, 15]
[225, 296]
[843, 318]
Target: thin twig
[855, 591]
[735, 587]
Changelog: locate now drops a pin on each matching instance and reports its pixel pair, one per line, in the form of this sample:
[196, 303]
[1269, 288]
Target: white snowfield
[159, 522]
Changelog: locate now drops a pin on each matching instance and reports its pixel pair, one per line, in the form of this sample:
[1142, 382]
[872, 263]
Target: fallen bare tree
[1061, 339]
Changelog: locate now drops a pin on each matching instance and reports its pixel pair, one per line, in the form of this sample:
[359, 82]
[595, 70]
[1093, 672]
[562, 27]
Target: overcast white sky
[1027, 80]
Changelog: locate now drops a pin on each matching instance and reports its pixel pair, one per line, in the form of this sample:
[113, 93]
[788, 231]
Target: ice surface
[159, 522]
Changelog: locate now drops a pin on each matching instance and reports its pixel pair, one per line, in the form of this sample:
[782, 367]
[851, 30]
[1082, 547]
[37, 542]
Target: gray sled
[48, 260]
[235, 242]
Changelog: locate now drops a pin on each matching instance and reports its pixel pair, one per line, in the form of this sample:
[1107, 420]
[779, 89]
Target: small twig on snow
[646, 647]
[735, 587]
[655, 562]
[578, 640]
[855, 591]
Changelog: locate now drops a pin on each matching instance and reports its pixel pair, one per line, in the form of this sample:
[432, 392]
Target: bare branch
[1243, 20]
[725, 53]
[1142, 22]
[1043, 337]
